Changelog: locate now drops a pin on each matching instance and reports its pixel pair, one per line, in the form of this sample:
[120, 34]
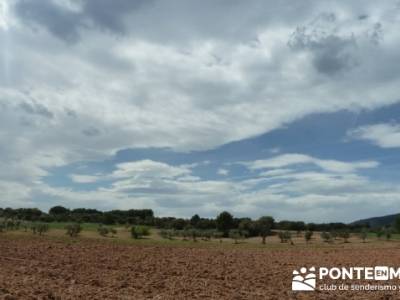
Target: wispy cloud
[385, 135]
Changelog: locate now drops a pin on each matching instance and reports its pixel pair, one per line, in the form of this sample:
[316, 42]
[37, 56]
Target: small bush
[103, 231]
[167, 234]
[326, 237]
[379, 233]
[388, 233]
[39, 228]
[363, 234]
[138, 232]
[113, 231]
[73, 230]
[308, 235]
[235, 235]
[345, 235]
[285, 236]
[218, 235]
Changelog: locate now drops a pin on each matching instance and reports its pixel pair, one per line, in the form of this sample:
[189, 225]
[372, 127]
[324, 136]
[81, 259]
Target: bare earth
[40, 268]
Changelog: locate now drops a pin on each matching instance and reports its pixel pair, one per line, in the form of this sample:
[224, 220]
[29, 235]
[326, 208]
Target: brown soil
[42, 268]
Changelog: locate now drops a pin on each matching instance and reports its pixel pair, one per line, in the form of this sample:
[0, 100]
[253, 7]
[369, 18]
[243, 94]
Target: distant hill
[377, 221]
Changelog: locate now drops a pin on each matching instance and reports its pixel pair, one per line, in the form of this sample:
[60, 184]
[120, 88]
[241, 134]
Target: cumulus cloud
[286, 193]
[385, 135]
[81, 80]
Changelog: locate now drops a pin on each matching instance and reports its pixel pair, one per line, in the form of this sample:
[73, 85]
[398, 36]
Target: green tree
[364, 234]
[236, 235]
[308, 235]
[73, 230]
[326, 236]
[285, 236]
[58, 210]
[103, 231]
[264, 225]
[379, 233]
[396, 224]
[194, 221]
[224, 222]
[345, 235]
[388, 233]
[138, 232]
[39, 228]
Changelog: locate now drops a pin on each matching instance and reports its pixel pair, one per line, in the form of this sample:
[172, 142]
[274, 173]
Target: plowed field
[40, 268]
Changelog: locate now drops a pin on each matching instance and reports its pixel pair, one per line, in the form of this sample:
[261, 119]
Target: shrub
[73, 230]
[236, 235]
[194, 234]
[388, 233]
[218, 235]
[206, 235]
[364, 234]
[103, 231]
[166, 234]
[264, 226]
[326, 237]
[39, 228]
[308, 235]
[285, 236]
[345, 235]
[113, 231]
[138, 232]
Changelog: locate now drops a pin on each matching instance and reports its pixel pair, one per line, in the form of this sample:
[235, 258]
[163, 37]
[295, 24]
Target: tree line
[225, 222]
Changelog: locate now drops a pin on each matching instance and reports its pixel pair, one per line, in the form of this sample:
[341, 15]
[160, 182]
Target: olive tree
[308, 235]
[285, 236]
[345, 235]
[73, 230]
[326, 237]
[236, 235]
[138, 232]
[264, 226]
[364, 234]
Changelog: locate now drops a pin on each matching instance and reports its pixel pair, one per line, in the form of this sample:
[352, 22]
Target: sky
[282, 108]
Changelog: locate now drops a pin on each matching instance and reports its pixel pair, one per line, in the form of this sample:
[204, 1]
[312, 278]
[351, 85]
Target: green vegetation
[264, 226]
[138, 232]
[39, 228]
[73, 230]
[308, 235]
[225, 222]
[225, 228]
[345, 235]
[326, 237]
[285, 236]
[106, 231]
[363, 234]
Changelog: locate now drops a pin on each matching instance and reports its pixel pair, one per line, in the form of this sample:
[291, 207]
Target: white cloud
[318, 196]
[223, 172]
[149, 168]
[79, 178]
[276, 172]
[384, 135]
[106, 84]
[290, 159]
